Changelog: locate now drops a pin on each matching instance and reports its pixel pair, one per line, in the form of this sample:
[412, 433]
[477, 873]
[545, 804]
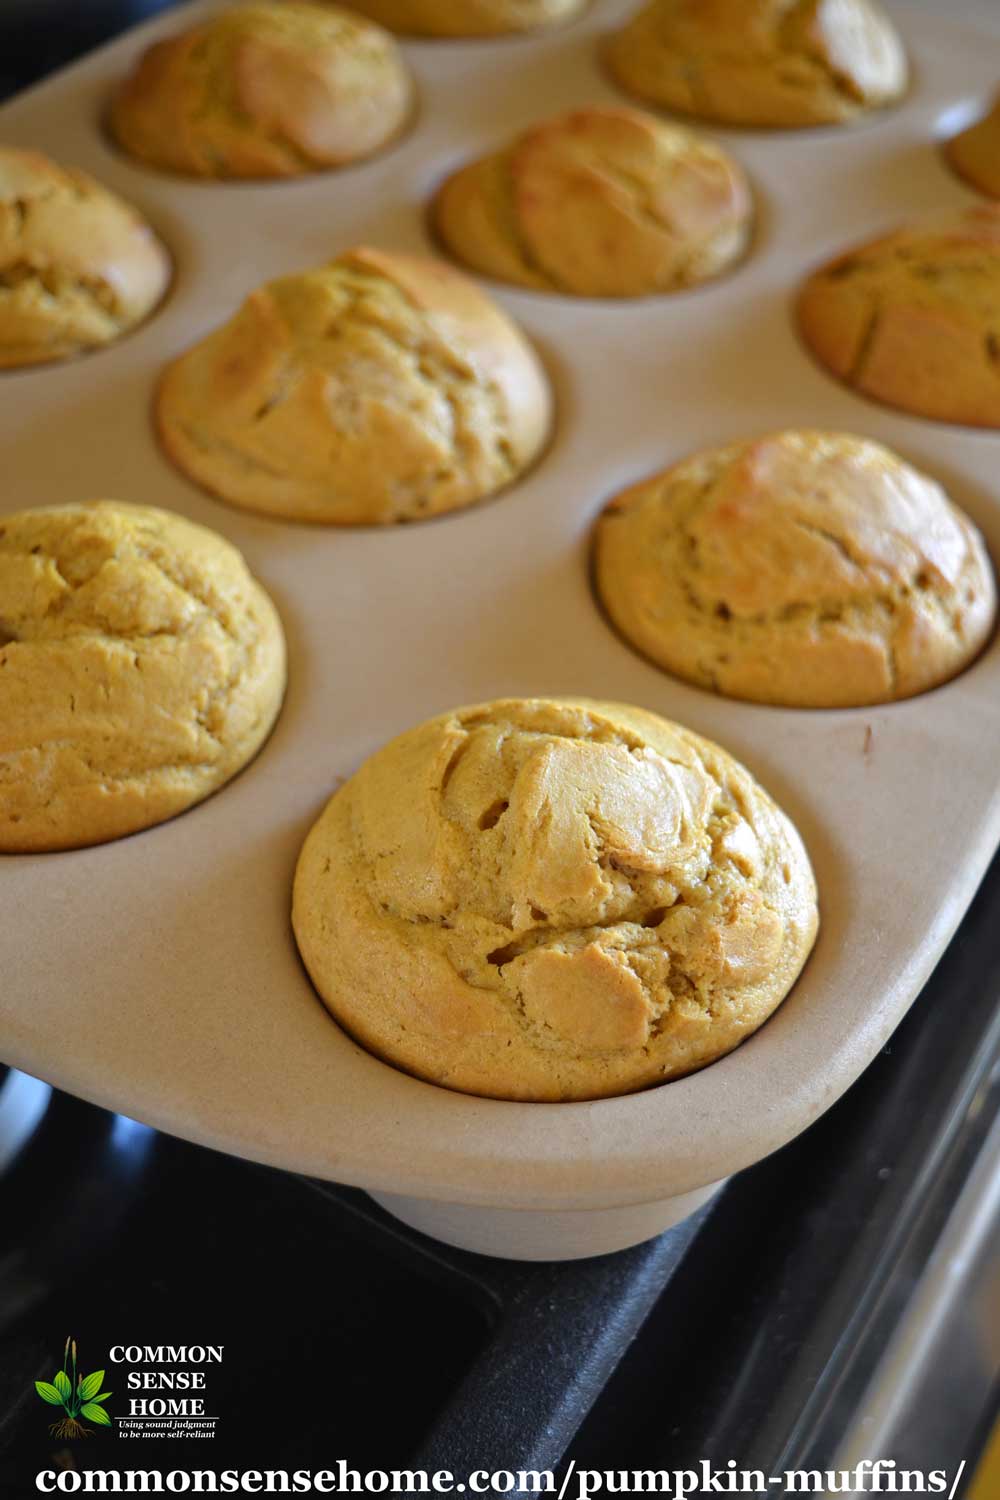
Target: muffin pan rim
[234, 1079]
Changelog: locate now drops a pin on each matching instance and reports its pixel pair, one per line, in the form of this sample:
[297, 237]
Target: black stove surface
[345, 1334]
[126, 1236]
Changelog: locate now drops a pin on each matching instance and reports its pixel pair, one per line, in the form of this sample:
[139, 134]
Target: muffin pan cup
[157, 975]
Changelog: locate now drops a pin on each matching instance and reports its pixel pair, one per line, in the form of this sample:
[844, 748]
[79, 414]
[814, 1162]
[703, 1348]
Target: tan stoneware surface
[157, 975]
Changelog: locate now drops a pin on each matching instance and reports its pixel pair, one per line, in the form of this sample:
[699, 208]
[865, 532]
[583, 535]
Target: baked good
[142, 667]
[974, 153]
[467, 17]
[600, 202]
[264, 90]
[812, 569]
[782, 63]
[78, 265]
[913, 318]
[378, 388]
[552, 899]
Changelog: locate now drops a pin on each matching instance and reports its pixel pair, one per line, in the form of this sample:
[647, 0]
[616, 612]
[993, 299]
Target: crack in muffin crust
[804, 568]
[78, 266]
[599, 202]
[380, 388]
[141, 667]
[552, 899]
[911, 319]
[265, 90]
[770, 63]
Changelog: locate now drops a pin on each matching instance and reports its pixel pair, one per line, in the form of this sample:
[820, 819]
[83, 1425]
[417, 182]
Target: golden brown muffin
[913, 319]
[140, 668]
[467, 17]
[811, 569]
[780, 63]
[601, 202]
[546, 900]
[78, 265]
[975, 152]
[264, 90]
[378, 388]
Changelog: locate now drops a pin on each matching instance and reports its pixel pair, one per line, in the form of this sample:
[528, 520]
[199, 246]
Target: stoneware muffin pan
[157, 976]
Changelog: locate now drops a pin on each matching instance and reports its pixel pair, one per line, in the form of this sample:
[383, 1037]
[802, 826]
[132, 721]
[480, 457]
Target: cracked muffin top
[467, 17]
[264, 90]
[777, 63]
[974, 153]
[913, 319]
[78, 265]
[552, 899]
[601, 202]
[140, 668]
[378, 388]
[811, 569]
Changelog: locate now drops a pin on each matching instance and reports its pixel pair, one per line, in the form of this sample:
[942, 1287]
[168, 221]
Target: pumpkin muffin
[974, 153]
[761, 62]
[142, 667]
[379, 388]
[552, 899]
[811, 569]
[601, 202]
[264, 90]
[454, 18]
[78, 266]
[913, 318]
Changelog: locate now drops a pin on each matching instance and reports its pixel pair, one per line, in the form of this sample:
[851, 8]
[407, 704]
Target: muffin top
[378, 388]
[912, 319]
[600, 202]
[783, 63]
[78, 266]
[812, 569]
[467, 17]
[974, 153]
[264, 90]
[142, 667]
[552, 899]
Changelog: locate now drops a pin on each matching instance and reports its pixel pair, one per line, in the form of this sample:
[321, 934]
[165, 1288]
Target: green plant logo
[79, 1396]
